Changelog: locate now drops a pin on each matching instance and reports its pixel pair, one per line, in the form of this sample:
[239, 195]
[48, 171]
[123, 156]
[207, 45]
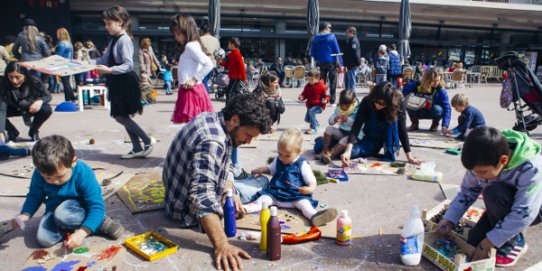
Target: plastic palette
[134, 243]
[338, 174]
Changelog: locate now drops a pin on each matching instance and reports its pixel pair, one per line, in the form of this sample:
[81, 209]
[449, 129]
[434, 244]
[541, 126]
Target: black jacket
[352, 55]
[21, 98]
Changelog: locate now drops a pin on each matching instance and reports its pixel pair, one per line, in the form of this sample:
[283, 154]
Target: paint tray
[338, 174]
[134, 243]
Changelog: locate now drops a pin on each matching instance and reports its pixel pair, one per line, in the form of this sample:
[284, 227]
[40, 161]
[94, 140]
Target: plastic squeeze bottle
[412, 238]
[273, 236]
[229, 215]
[265, 214]
[344, 229]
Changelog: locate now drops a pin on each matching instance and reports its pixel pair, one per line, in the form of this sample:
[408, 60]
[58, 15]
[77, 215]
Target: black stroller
[522, 91]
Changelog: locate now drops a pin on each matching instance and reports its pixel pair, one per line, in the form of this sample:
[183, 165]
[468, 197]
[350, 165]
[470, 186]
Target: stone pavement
[372, 201]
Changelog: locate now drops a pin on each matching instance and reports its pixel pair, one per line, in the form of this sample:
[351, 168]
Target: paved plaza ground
[372, 201]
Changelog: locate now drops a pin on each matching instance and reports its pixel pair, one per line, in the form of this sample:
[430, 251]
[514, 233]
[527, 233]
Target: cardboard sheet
[143, 192]
[57, 65]
[292, 221]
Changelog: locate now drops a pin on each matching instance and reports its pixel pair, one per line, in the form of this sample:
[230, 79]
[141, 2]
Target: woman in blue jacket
[64, 49]
[437, 105]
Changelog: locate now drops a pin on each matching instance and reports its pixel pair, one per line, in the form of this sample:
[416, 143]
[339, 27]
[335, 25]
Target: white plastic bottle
[412, 238]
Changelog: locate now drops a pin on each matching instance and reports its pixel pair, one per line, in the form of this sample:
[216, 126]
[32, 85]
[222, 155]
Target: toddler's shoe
[111, 228]
[324, 216]
[511, 251]
[310, 131]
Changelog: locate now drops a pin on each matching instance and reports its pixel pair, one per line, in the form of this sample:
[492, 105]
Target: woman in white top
[194, 65]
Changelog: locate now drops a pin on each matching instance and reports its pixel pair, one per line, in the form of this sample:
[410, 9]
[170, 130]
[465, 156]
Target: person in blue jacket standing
[64, 49]
[325, 49]
[437, 105]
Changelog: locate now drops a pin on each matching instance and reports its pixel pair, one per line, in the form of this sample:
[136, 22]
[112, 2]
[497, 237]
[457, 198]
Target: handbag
[415, 102]
[281, 108]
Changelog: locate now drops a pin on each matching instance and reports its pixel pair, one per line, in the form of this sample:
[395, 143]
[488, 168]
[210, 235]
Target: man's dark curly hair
[251, 111]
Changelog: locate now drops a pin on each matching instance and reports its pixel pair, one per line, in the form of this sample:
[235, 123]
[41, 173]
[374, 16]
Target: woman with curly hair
[382, 116]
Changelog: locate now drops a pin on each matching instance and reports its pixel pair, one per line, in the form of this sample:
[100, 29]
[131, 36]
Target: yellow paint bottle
[265, 214]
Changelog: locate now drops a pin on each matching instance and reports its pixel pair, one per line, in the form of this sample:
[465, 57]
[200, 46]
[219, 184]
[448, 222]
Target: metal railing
[531, 2]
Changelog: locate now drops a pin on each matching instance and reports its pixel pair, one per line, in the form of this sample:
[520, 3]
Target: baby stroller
[522, 92]
[220, 84]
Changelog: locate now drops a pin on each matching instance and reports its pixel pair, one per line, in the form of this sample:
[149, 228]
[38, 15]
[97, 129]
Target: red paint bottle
[273, 236]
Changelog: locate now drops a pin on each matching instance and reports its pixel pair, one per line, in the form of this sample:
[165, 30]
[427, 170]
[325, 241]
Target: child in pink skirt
[194, 65]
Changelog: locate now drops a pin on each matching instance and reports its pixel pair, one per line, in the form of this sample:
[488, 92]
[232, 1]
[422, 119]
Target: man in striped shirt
[197, 170]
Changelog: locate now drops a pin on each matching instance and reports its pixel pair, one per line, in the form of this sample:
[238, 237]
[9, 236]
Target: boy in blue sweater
[469, 119]
[72, 196]
[506, 168]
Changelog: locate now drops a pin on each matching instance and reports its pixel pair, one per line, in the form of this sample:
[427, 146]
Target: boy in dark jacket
[352, 57]
[316, 99]
[506, 168]
[469, 119]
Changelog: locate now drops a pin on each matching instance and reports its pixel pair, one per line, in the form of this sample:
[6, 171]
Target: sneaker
[243, 175]
[311, 131]
[129, 155]
[111, 228]
[12, 136]
[144, 152]
[509, 253]
[324, 216]
[5, 227]
[34, 136]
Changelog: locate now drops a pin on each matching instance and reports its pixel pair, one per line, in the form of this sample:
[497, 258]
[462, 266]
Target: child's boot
[434, 125]
[111, 228]
[415, 124]
[324, 216]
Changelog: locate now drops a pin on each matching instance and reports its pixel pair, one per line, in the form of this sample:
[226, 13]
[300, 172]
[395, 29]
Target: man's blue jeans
[350, 80]
[310, 116]
[69, 215]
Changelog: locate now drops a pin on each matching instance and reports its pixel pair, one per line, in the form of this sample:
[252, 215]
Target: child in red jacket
[316, 99]
[236, 68]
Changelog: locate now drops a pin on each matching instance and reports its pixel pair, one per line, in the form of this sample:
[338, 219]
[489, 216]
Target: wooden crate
[468, 218]
[460, 262]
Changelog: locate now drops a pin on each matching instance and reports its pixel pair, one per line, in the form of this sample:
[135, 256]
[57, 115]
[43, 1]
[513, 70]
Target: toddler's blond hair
[460, 100]
[291, 138]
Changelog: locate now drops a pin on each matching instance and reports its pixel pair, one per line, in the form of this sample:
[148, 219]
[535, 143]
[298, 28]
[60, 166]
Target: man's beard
[233, 136]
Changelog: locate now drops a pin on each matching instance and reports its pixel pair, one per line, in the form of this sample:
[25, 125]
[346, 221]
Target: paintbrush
[66, 244]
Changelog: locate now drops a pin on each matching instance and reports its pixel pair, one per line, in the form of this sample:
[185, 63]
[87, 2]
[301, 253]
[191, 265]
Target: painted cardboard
[292, 221]
[57, 65]
[144, 192]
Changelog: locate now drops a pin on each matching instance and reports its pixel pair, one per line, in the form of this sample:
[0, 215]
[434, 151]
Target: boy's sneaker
[34, 136]
[111, 228]
[510, 252]
[129, 155]
[144, 152]
[324, 216]
[12, 135]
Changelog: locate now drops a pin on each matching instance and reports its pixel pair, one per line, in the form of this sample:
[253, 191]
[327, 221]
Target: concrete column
[280, 45]
[137, 40]
[504, 40]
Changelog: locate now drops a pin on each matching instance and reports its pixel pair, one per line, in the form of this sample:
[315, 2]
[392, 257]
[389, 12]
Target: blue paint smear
[65, 265]
[91, 264]
[35, 268]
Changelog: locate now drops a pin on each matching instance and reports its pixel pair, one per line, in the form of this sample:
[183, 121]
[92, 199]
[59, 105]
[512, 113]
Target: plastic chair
[459, 78]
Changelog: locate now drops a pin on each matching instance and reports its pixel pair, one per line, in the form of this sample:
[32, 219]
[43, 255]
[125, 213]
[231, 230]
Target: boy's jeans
[350, 80]
[53, 225]
[310, 116]
[168, 87]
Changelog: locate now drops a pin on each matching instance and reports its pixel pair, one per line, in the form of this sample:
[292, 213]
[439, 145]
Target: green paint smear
[533, 188]
[81, 250]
